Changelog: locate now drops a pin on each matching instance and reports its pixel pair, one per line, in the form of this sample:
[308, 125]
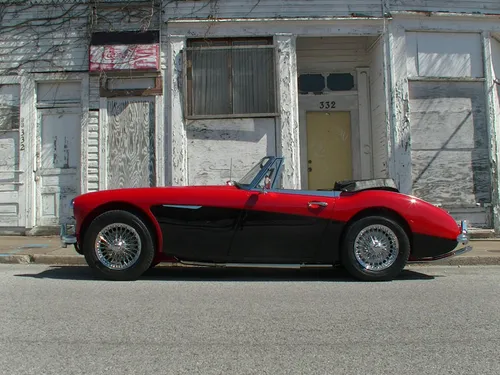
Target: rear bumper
[461, 248]
[458, 251]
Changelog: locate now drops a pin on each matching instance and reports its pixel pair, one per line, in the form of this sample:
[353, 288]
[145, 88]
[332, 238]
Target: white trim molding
[365, 128]
[493, 124]
[288, 107]
[400, 164]
[176, 137]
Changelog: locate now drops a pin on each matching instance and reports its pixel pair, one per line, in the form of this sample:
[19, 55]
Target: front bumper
[461, 248]
[67, 235]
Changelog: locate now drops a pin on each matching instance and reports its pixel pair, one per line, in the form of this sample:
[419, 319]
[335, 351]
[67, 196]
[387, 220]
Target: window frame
[254, 42]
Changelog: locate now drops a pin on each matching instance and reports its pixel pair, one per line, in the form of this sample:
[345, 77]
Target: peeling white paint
[491, 51]
[222, 149]
[267, 26]
[176, 147]
[470, 6]
[365, 132]
[288, 139]
[378, 107]
[400, 150]
[224, 9]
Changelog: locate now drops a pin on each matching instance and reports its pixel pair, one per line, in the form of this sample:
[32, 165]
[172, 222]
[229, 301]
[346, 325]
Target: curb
[53, 260]
[58, 260]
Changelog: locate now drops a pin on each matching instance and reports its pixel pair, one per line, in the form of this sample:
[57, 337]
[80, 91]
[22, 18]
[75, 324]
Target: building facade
[145, 93]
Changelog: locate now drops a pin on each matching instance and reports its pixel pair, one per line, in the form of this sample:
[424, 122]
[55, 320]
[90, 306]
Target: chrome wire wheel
[376, 247]
[118, 246]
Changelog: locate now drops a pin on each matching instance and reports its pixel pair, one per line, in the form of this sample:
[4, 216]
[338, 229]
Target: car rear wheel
[118, 246]
[375, 248]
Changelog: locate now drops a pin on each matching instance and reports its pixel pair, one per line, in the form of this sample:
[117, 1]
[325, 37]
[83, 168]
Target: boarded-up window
[53, 93]
[230, 77]
[9, 107]
[450, 156]
[438, 54]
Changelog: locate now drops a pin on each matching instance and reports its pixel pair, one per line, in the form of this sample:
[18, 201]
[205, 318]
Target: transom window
[230, 78]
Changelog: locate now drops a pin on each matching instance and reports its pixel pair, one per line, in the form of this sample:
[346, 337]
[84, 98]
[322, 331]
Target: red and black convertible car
[366, 226]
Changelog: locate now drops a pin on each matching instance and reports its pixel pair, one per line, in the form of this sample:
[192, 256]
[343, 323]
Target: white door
[12, 208]
[57, 171]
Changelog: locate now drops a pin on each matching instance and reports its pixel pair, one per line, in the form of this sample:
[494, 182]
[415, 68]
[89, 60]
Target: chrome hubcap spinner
[376, 247]
[118, 246]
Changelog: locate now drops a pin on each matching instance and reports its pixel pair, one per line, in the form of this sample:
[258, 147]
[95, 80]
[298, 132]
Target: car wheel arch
[124, 206]
[379, 211]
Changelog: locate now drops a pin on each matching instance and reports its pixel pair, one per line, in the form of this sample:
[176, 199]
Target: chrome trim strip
[255, 265]
[186, 206]
[313, 193]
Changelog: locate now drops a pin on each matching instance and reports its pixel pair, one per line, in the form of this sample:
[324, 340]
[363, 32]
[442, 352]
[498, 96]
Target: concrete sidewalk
[48, 250]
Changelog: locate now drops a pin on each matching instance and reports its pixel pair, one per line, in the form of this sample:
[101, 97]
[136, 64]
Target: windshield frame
[243, 183]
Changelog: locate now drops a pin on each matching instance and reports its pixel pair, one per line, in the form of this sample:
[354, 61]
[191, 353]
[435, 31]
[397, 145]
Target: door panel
[281, 227]
[328, 148]
[199, 223]
[200, 233]
[58, 160]
[131, 153]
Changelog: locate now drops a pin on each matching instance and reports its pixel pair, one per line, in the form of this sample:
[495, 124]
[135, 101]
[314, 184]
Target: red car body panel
[421, 217]
[254, 222]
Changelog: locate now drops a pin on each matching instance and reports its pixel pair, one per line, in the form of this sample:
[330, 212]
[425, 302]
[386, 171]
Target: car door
[281, 227]
[198, 223]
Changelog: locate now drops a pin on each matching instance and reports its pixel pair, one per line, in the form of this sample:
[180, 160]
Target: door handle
[317, 204]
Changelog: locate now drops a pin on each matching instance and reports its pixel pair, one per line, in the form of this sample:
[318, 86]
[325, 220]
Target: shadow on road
[220, 274]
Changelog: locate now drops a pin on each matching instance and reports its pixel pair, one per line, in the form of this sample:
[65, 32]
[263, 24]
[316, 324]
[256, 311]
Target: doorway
[57, 172]
[329, 153]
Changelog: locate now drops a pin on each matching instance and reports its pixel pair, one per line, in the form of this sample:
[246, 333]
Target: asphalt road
[433, 320]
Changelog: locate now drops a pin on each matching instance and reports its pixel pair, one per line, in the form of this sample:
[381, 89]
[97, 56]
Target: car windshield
[250, 176]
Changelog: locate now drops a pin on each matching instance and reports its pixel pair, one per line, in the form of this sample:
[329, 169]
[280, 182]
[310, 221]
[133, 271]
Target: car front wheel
[375, 248]
[118, 246]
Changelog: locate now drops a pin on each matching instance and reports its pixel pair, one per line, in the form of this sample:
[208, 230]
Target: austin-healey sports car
[366, 226]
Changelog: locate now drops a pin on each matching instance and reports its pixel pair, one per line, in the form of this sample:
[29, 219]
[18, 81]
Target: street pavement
[431, 320]
[48, 250]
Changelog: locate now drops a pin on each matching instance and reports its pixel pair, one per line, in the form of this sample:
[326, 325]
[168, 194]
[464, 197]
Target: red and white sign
[124, 57]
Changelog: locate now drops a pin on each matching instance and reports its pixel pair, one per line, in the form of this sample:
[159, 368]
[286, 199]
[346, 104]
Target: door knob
[309, 169]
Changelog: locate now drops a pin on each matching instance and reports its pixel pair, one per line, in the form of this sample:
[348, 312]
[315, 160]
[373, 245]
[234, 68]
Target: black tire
[143, 261]
[360, 271]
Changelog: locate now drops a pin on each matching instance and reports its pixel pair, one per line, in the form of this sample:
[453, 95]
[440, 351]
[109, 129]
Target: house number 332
[326, 105]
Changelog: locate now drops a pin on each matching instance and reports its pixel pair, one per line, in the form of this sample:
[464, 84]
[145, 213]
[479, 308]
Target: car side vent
[360, 185]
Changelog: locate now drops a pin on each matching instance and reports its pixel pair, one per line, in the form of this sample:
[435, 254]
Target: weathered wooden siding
[378, 110]
[431, 54]
[211, 145]
[123, 16]
[44, 37]
[93, 151]
[332, 54]
[450, 156]
[456, 6]
[271, 8]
